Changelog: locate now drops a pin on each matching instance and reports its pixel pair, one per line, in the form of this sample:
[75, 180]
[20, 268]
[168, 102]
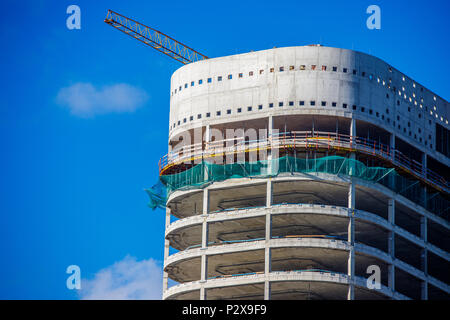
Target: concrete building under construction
[294, 173]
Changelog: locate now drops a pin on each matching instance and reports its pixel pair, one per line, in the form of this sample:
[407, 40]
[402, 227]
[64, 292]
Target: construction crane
[154, 38]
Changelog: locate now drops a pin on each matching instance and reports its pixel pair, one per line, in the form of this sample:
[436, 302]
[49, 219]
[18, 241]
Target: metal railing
[195, 153]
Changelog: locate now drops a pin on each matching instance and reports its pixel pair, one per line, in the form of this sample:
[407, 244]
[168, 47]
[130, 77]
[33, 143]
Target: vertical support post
[391, 177]
[391, 244]
[424, 256]
[392, 146]
[207, 133]
[424, 228]
[351, 219]
[424, 175]
[270, 141]
[268, 236]
[207, 140]
[166, 252]
[197, 141]
[204, 258]
[352, 131]
[351, 241]
[424, 164]
[424, 288]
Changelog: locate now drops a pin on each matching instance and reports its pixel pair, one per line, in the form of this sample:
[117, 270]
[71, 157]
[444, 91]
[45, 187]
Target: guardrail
[300, 139]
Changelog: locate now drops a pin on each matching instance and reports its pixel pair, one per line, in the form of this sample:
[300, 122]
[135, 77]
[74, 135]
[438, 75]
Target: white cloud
[127, 279]
[85, 100]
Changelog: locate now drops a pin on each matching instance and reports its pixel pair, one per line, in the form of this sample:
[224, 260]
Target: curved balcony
[318, 140]
[318, 281]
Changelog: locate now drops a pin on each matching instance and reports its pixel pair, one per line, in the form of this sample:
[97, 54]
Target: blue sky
[72, 183]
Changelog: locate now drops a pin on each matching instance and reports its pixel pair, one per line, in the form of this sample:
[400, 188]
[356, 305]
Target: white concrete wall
[297, 85]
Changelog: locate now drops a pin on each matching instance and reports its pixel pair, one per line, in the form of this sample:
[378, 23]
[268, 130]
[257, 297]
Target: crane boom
[154, 38]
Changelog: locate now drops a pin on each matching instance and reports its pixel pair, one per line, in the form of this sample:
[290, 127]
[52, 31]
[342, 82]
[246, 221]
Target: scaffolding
[205, 173]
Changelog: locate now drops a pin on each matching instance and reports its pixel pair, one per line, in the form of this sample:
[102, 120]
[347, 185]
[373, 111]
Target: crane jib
[154, 38]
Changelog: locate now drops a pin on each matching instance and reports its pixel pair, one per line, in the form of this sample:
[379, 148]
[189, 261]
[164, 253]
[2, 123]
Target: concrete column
[351, 241]
[268, 236]
[391, 211]
[392, 145]
[424, 288]
[205, 201]
[391, 277]
[352, 129]
[424, 175]
[166, 252]
[391, 244]
[270, 126]
[392, 155]
[269, 193]
[424, 228]
[205, 230]
[269, 150]
[424, 256]
[207, 133]
[204, 271]
[204, 258]
[207, 139]
[424, 164]
[424, 260]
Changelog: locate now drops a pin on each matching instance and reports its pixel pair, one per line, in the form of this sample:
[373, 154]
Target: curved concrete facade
[306, 236]
[365, 83]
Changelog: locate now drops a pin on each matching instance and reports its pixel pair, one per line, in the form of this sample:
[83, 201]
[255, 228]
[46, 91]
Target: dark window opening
[442, 140]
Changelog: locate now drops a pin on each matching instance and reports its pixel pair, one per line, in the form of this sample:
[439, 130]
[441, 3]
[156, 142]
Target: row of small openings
[407, 130]
[261, 71]
[312, 103]
[420, 113]
[334, 69]
[432, 112]
[412, 99]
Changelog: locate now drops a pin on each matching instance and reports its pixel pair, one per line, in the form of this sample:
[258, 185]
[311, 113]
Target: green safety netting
[205, 173]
